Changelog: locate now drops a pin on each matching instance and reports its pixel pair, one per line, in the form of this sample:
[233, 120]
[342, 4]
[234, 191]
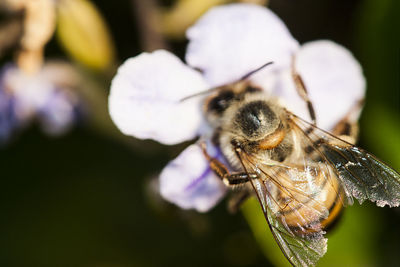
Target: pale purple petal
[8, 119]
[333, 78]
[39, 95]
[58, 115]
[31, 91]
[284, 89]
[188, 181]
[145, 96]
[232, 40]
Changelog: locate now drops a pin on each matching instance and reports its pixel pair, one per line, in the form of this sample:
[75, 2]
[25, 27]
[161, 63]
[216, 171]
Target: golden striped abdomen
[306, 199]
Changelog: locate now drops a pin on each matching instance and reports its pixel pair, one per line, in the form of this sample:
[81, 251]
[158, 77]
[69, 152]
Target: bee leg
[348, 131]
[302, 91]
[347, 128]
[237, 200]
[219, 168]
[239, 178]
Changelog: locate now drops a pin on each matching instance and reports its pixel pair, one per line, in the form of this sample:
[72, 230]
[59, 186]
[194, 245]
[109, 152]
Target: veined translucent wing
[297, 195]
[292, 208]
[362, 175]
[300, 250]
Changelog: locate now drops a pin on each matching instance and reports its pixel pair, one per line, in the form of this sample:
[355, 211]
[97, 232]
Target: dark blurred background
[85, 198]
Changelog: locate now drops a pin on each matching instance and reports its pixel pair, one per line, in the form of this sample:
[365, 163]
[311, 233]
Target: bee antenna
[256, 70]
[215, 88]
[199, 93]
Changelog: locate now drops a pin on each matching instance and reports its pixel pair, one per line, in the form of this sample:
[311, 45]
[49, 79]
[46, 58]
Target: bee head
[226, 96]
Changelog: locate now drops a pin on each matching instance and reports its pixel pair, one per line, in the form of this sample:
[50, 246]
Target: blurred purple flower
[225, 44]
[42, 97]
[8, 120]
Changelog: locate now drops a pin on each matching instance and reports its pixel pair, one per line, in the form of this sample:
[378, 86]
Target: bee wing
[361, 174]
[289, 192]
[292, 196]
[300, 250]
[295, 222]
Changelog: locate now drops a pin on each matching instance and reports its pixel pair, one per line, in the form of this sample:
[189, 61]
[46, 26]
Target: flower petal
[145, 96]
[8, 119]
[58, 114]
[31, 91]
[334, 80]
[188, 181]
[231, 40]
[45, 95]
[284, 89]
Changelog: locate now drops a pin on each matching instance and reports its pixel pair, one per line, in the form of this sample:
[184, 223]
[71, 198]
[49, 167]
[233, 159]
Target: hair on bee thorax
[244, 115]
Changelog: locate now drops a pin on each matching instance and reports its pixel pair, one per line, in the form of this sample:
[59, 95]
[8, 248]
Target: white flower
[224, 45]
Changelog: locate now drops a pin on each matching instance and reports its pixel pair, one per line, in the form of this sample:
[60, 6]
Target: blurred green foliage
[379, 48]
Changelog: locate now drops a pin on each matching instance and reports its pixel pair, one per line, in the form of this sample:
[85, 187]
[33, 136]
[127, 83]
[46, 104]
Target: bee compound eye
[221, 102]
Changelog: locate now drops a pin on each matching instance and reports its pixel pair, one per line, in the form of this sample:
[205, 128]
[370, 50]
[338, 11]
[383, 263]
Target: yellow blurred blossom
[83, 33]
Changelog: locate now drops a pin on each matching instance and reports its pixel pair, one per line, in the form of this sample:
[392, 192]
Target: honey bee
[301, 174]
